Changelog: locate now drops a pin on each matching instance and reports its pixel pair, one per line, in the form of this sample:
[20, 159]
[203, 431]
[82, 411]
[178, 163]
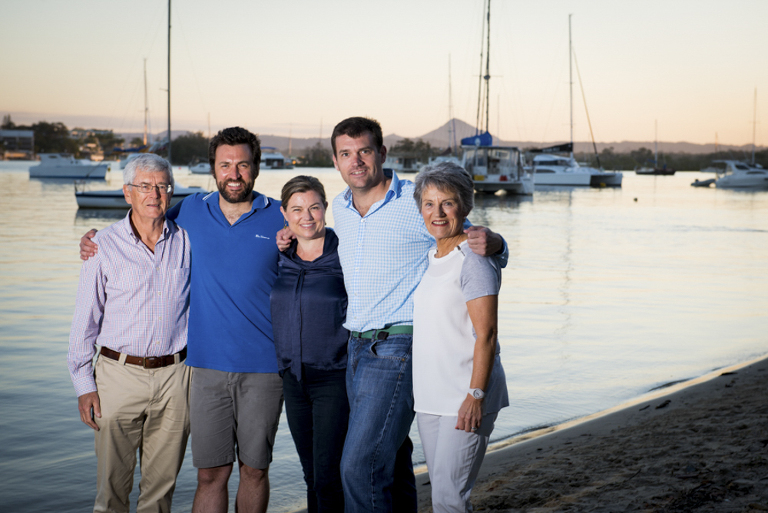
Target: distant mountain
[439, 138]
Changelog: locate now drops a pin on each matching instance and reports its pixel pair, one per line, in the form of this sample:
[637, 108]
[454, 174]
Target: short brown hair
[355, 127]
[232, 137]
[299, 184]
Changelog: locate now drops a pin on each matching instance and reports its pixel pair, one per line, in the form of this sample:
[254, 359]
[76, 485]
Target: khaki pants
[144, 409]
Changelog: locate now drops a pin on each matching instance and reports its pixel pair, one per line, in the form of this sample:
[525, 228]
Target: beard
[235, 197]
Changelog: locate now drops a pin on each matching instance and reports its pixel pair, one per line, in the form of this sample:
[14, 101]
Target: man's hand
[483, 241]
[284, 238]
[88, 248]
[90, 408]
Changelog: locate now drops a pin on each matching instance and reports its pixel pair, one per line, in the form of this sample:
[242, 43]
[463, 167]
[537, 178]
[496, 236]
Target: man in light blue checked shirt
[383, 246]
[133, 301]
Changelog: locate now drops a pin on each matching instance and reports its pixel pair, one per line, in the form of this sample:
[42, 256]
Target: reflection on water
[608, 293]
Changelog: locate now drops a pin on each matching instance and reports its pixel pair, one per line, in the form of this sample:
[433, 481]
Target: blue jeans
[376, 468]
[318, 410]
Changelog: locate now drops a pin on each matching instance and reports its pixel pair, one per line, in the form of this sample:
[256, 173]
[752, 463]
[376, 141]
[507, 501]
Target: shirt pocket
[177, 286]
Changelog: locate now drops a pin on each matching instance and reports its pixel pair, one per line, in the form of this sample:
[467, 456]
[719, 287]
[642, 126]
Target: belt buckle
[153, 362]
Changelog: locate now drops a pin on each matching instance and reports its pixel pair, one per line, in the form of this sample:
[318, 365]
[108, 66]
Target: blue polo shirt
[233, 270]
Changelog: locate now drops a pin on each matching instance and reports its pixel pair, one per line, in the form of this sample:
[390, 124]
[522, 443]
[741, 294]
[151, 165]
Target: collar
[168, 228]
[395, 191]
[259, 200]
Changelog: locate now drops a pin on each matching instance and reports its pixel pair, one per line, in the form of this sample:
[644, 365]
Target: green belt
[382, 334]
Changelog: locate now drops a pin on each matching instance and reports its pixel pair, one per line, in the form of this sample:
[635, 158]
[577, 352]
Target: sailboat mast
[487, 76]
[480, 78]
[451, 134]
[146, 109]
[655, 142]
[169, 80]
[570, 77]
[754, 123]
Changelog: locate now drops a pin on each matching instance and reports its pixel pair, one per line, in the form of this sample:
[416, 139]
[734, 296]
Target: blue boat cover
[485, 139]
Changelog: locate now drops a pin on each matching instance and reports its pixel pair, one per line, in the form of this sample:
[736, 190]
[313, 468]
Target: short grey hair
[447, 177]
[147, 162]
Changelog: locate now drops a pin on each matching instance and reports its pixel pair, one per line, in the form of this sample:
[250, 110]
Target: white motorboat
[564, 170]
[497, 168]
[202, 168]
[64, 165]
[733, 174]
[109, 199]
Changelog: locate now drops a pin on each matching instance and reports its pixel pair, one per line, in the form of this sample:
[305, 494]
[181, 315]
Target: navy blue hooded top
[309, 305]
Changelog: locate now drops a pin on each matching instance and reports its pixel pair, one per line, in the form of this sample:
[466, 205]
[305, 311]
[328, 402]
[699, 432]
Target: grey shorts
[234, 415]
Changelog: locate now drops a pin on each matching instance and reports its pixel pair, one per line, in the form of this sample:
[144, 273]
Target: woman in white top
[458, 381]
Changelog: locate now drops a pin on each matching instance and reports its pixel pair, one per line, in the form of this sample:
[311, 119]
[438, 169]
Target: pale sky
[288, 66]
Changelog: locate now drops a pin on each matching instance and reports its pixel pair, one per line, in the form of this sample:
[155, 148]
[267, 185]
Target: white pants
[454, 458]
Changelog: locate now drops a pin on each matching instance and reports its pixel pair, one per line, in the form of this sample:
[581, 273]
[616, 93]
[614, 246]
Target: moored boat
[202, 168]
[654, 171]
[64, 165]
[733, 174]
[549, 169]
[497, 168]
[116, 199]
[271, 158]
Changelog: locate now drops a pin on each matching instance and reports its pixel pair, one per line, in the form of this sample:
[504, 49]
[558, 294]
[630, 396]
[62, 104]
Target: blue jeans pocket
[392, 348]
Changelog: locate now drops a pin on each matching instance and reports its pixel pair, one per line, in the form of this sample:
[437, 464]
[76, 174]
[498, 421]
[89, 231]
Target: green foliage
[108, 141]
[419, 149]
[316, 156]
[189, 148]
[609, 159]
[137, 142]
[54, 138]
[8, 124]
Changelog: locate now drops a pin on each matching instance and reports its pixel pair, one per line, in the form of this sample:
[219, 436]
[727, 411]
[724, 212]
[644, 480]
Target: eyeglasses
[162, 188]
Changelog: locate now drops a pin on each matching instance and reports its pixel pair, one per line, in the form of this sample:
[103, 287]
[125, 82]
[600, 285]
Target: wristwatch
[477, 393]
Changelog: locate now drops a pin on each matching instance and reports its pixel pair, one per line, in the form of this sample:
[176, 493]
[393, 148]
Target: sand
[699, 446]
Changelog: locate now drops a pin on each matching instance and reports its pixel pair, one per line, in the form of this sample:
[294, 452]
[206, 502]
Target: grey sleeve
[480, 276]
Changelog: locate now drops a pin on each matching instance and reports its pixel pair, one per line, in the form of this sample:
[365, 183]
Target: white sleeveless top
[443, 336]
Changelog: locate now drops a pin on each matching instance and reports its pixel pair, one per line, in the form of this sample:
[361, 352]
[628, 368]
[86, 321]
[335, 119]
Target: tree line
[609, 159]
[192, 147]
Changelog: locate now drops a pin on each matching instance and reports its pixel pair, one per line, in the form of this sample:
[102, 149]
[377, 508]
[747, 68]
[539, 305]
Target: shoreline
[651, 453]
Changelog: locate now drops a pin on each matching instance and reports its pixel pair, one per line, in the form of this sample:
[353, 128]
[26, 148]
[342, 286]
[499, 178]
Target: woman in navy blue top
[309, 304]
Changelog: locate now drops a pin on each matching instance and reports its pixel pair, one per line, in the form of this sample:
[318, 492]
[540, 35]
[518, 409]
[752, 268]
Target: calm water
[609, 293]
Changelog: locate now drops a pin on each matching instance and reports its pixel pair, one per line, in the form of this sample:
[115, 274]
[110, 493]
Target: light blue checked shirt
[130, 299]
[383, 255]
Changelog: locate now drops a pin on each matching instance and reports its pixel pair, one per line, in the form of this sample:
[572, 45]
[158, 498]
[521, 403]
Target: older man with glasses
[133, 302]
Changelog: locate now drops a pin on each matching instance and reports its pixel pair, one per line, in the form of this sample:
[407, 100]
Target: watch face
[478, 394]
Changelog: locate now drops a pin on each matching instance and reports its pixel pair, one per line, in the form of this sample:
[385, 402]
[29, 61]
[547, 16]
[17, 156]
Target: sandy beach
[695, 446]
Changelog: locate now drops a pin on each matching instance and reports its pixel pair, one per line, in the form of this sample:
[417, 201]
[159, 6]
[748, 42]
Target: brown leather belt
[148, 362]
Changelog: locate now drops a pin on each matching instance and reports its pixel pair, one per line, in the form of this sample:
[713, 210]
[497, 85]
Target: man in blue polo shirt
[236, 393]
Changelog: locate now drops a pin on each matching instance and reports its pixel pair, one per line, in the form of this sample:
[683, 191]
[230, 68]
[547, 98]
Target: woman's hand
[470, 414]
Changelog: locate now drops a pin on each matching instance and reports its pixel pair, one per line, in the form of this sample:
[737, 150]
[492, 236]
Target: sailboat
[549, 168]
[115, 198]
[655, 170]
[493, 168]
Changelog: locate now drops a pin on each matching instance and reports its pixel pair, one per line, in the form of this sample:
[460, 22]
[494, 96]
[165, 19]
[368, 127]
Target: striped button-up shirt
[130, 299]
